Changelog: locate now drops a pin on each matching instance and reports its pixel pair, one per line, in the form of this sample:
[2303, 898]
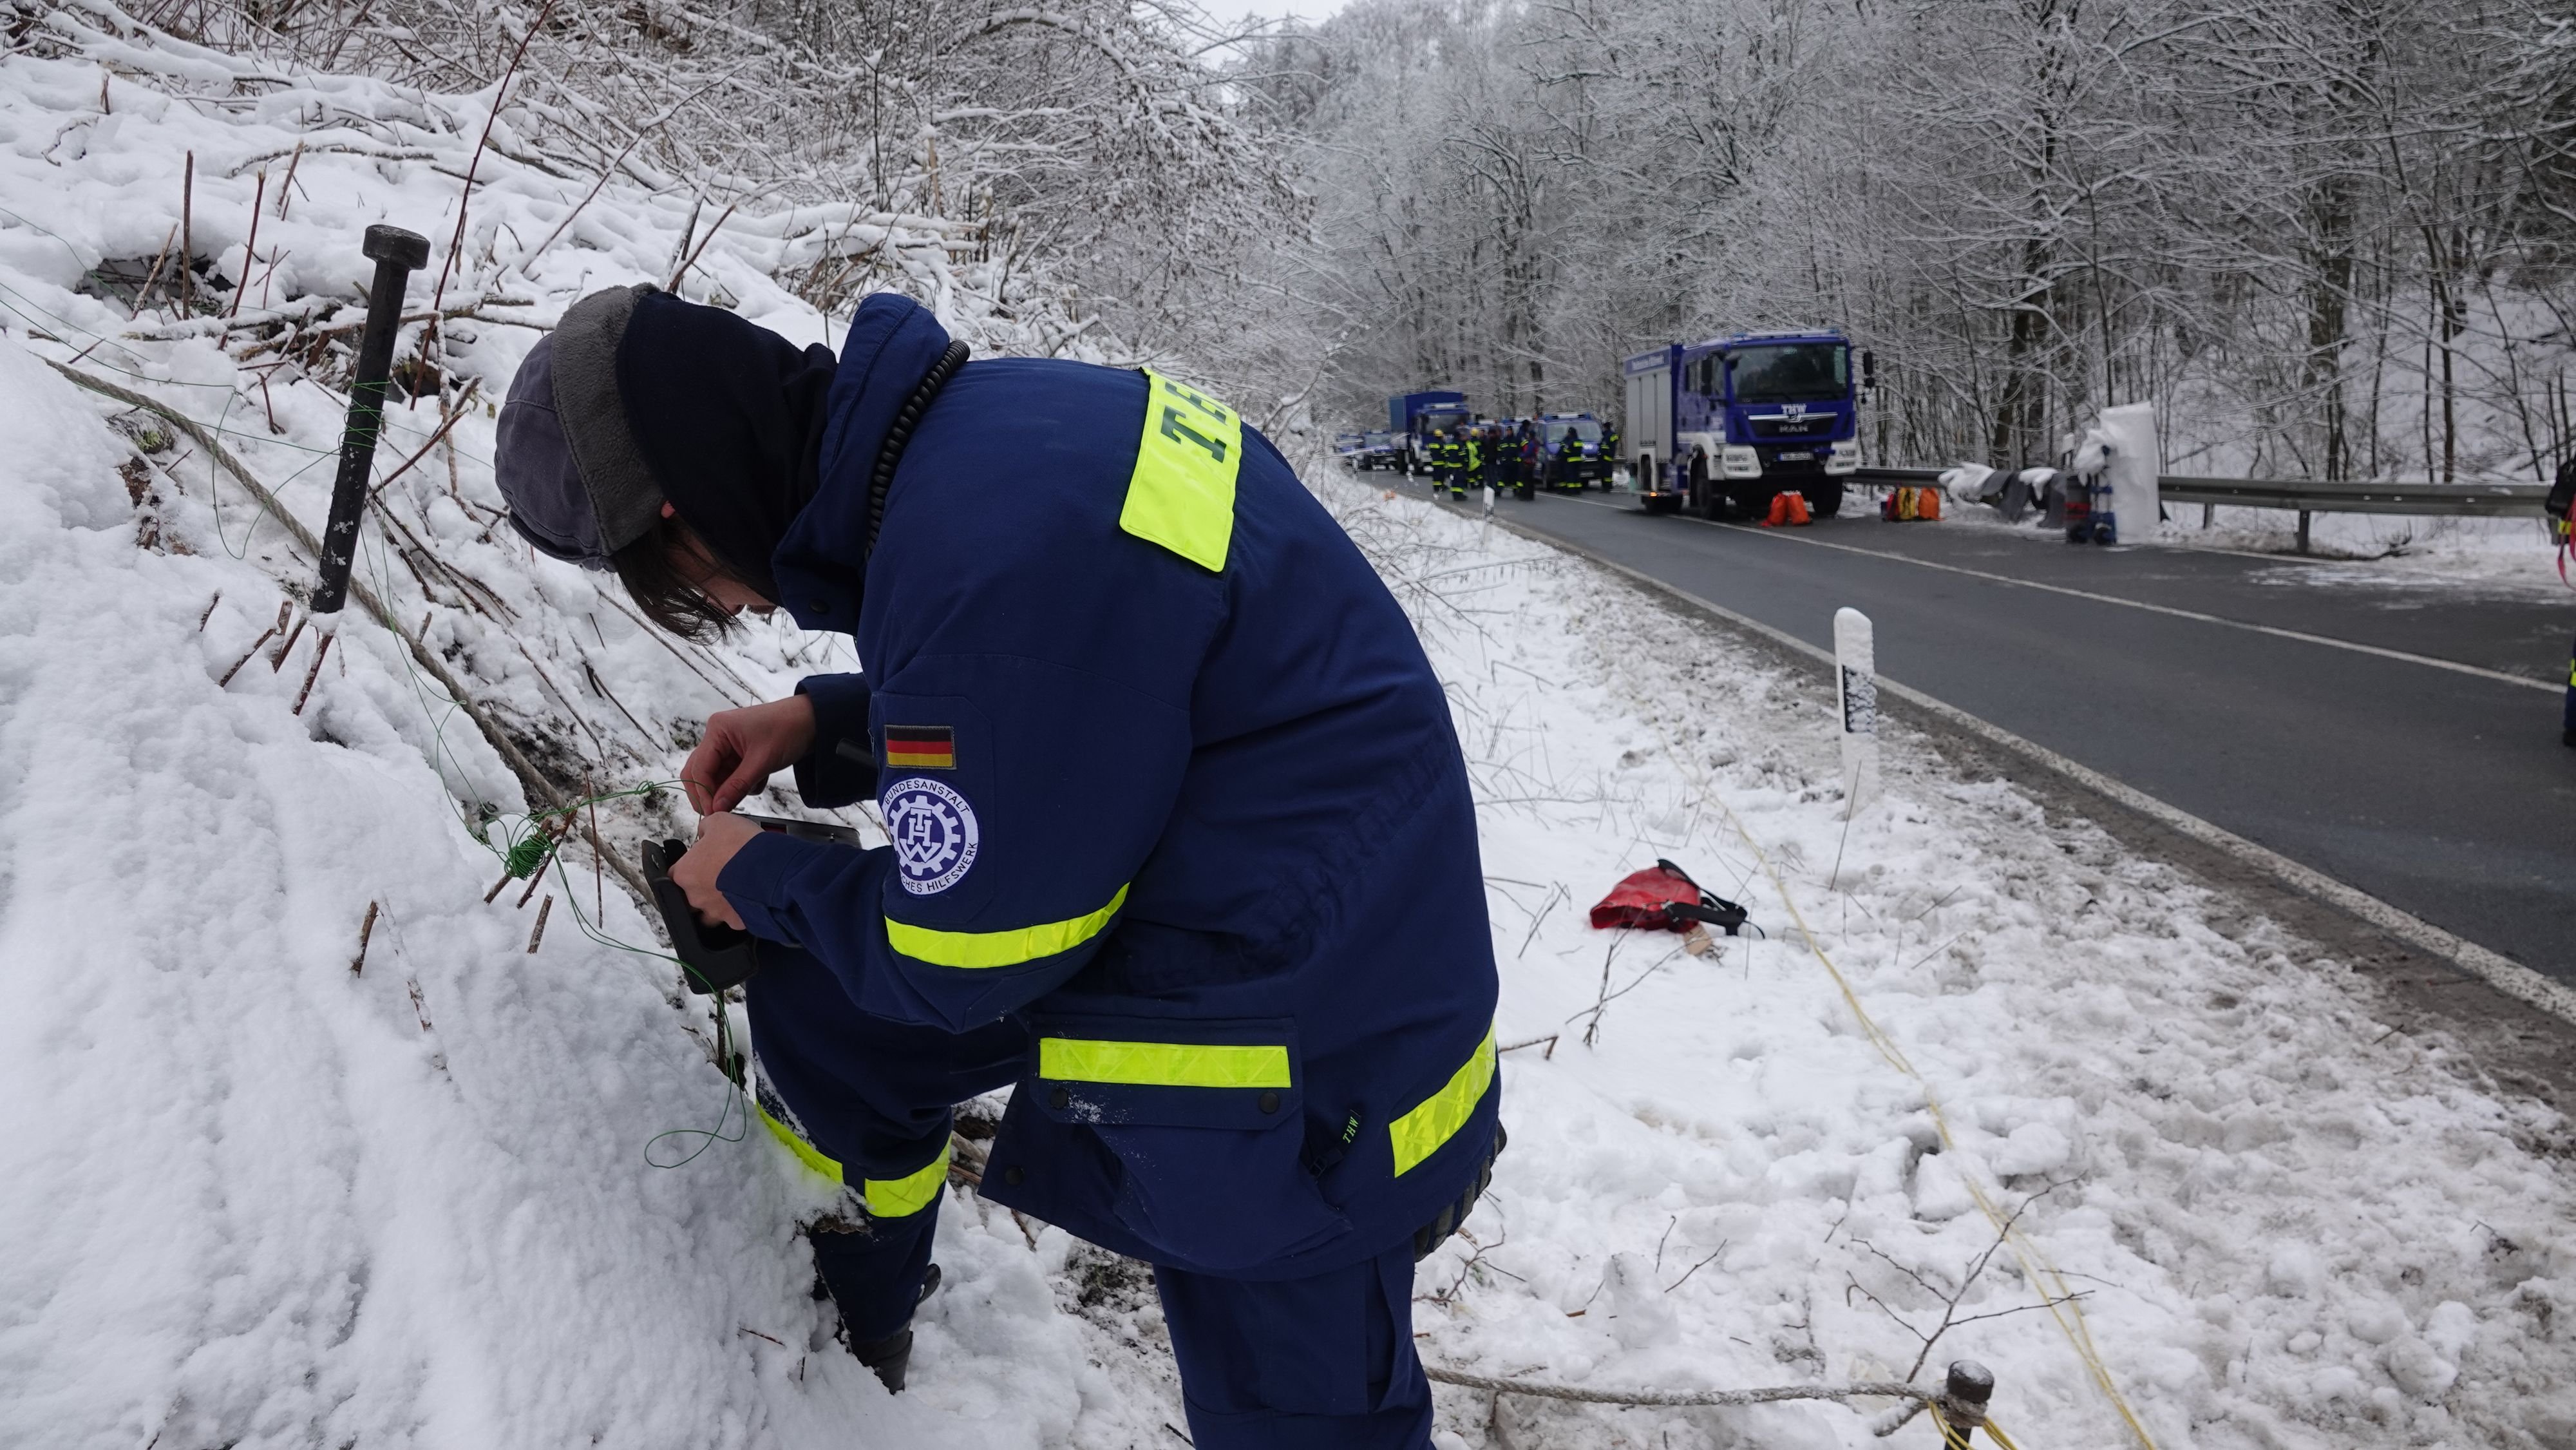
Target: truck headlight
[1740, 462]
[1845, 458]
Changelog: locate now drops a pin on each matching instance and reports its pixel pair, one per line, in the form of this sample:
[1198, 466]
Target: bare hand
[743, 748]
[719, 836]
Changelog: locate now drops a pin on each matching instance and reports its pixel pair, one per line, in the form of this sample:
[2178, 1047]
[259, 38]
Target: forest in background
[2329, 238]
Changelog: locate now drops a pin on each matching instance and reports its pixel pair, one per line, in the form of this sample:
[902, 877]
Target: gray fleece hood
[566, 459]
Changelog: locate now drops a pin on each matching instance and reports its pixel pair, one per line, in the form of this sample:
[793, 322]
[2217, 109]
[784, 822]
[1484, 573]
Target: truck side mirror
[1868, 369]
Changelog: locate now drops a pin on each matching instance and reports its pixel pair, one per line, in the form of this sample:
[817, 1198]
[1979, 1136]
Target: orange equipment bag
[1906, 505]
[1788, 508]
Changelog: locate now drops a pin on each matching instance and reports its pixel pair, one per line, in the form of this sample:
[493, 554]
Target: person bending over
[1181, 844]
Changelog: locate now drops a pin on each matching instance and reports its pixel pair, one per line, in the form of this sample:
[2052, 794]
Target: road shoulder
[2502, 1026]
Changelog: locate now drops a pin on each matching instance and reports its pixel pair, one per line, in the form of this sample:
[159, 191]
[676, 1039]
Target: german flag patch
[921, 747]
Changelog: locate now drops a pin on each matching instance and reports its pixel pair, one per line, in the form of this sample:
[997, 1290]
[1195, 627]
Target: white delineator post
[1856, 692]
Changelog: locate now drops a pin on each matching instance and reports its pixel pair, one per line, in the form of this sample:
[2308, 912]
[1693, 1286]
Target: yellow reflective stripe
[1181, 495]
[804, 1151]
[1162, 1064]
[1419, 1134]
[910, 1194]
[999, 948]
[886, 1197]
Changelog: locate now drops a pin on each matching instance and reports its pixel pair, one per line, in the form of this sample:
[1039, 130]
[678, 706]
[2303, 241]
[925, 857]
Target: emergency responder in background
[1444, 457]
[1471, 463]
[1569, 460]
[1525, 445]
[2562, 512]
[1182, 848]
[1609, 454]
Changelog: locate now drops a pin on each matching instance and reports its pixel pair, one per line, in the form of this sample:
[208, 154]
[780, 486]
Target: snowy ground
[2291, 1228]
[256, 1198]
[2512, 558]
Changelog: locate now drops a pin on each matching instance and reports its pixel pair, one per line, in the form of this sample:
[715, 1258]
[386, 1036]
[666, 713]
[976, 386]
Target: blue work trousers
[1297, 1364]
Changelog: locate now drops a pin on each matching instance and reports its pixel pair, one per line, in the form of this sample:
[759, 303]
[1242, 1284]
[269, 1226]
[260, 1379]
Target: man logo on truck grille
[934, 834]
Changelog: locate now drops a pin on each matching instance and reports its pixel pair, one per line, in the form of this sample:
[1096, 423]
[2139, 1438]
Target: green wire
[725, 1130]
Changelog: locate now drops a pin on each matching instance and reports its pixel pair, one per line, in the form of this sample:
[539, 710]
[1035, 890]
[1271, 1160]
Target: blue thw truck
[1414, 417]
[1722, 426]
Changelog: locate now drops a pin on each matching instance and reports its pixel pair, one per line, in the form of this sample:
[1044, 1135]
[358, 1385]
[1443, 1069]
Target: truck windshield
[1799, 372]
[1583, 428]
[1439, 421]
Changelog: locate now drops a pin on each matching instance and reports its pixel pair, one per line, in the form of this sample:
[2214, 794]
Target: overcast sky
[1269, 9]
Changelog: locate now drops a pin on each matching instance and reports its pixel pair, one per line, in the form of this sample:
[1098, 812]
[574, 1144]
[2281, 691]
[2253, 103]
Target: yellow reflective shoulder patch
[910, 1194]
[1008, 948]
[1419, 1133]
[1181, 495]
[1163, 1064]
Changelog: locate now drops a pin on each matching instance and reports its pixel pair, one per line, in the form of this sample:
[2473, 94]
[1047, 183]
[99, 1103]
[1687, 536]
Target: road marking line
[2494, 968]
[2454, 666]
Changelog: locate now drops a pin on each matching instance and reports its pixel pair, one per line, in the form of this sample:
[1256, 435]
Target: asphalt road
[2444, 792]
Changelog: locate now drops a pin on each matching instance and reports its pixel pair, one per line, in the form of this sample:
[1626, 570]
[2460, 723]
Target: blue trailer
[1414, 417]
[1722, 426]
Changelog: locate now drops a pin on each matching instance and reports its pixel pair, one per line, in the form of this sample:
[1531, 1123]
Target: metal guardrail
[2470, 500]
[2305, 496]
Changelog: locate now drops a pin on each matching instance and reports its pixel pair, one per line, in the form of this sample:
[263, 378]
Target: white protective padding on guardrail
[1967, 483]
[2121, 446]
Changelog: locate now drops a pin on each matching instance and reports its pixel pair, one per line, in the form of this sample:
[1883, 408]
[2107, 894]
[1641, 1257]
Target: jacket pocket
[1206, 1121]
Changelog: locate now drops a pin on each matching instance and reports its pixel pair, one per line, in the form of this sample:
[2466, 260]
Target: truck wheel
[1697, 498]
[1824, 500]
[1714, 495]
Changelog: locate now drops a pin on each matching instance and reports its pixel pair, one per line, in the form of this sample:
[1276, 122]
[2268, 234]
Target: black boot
[857, 1269]
[891, 1356]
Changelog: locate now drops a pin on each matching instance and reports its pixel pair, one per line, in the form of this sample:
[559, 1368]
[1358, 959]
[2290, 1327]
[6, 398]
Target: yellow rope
[2002, 1441]
[2055, 1294]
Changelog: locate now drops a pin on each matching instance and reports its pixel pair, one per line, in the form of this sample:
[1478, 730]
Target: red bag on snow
[1664, 898]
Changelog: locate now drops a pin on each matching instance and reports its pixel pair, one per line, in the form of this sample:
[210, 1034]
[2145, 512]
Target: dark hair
[651, 568]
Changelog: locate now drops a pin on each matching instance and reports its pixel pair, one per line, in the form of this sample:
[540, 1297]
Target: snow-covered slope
[478, 1195]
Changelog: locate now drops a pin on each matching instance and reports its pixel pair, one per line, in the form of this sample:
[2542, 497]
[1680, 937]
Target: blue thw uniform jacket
[1168, 776]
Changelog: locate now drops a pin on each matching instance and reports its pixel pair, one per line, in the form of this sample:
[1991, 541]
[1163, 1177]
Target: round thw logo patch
[934, 832]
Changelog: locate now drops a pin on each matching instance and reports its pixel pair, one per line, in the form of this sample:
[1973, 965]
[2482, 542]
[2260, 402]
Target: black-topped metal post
[1965, 1393]
[397, 254]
